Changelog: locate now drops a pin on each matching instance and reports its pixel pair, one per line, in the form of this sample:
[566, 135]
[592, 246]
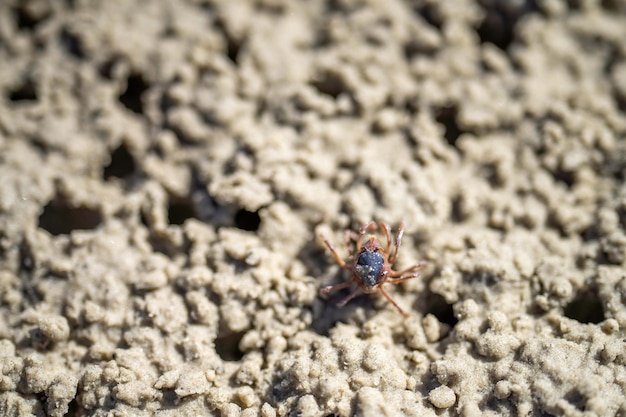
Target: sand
[166, 169]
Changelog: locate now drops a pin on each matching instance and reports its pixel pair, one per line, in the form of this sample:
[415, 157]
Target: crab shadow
[326, 314]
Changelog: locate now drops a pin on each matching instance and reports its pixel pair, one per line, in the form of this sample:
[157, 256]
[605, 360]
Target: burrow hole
[586, 308]
[59, 217]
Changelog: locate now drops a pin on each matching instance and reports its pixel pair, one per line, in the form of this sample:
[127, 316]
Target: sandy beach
[167, 170]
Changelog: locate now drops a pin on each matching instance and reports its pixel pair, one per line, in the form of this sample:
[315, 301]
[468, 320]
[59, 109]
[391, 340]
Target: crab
[371, 267]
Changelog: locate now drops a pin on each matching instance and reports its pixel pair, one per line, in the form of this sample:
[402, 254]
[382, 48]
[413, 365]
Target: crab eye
[369, 267]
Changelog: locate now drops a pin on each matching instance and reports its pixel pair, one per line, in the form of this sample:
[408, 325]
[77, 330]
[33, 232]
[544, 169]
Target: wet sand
[167, 168]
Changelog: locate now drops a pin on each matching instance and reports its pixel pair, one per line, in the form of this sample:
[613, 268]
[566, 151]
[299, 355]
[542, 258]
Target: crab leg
[403, 278]
[385, 228]
[335, 254]
[388, 297]
[394, 274]
[348, 298]
[366, 227]
[398, 242]
[330, 288]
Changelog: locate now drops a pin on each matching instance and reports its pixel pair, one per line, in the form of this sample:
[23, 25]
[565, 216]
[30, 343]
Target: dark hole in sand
[42, 399]
[179, 210]
[60, 218]
[586, 308]
[107, 68]
[122, 163]
[430, 13]
[457, 214]
[500, 20]
[621, 213]
[438, 307]
[613, 5]
[247, 220]
[447, 117]
[233, 46]
[38, 339]
[27, 19]
[566, 177]
[72, 408]
[131, 98]
[28, 264]
[24, 92]
[576, 398]
[72, 44]
[27, 259]
[481, 278]
[330, 84]
[145, 220]
[232, 49]
[228, 346]
[170, 398]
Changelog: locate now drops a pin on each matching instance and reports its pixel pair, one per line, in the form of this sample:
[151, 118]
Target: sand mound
[167, 167]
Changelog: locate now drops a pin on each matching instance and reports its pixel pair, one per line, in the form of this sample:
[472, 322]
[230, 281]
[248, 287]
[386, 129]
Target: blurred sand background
[167, 167]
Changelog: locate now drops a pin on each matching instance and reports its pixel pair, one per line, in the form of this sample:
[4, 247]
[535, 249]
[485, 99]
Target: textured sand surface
[167, 167]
